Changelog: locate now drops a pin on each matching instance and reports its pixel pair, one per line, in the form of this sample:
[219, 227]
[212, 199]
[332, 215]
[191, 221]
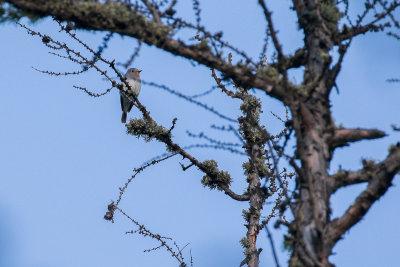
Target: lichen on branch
[148, 129]
[214, 178]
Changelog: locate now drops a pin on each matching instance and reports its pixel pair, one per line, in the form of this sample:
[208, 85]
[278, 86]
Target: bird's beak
[139, 70]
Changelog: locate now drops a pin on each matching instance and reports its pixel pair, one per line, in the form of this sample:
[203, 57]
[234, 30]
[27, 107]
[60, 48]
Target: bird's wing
[122, 102]
[130, 106]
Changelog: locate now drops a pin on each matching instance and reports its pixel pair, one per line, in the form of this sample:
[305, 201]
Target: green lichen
[331, 14]
[245, 242]
[262, 168]
[251, 104]
[214, 178]
[287, 243]
[251, 108]
[272, 73]
[246, 215]
[249, 123]
[148, 129]
[203, 46]
[258, 164]
[246, 167]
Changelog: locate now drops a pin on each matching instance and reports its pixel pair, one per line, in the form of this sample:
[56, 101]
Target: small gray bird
[133, 78]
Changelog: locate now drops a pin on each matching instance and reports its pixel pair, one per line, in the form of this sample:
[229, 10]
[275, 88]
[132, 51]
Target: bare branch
[212, 140]
[132, 57]
[153, 10]
[377, 187]
[229, 128]
[136, 172]
[222, 86]
[271, 28]
[142, 230]
[190, 99]
[197, 11]
[345, 178]
[101, 48]
[170, 10]
[184, 168]
[342, 137]
[192, 146]
[271, 242]
[209, 91]
[93, 94]
[358, 29]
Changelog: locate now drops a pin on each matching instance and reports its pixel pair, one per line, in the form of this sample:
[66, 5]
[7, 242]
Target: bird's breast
[135, 86]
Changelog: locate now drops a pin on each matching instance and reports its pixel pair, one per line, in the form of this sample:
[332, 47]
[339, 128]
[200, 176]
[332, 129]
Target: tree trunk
[311, 121]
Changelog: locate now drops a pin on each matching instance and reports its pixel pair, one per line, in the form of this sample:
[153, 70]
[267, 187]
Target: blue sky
[64, 154]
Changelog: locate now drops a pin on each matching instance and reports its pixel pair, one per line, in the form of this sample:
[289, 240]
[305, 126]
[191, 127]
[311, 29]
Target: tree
[328, 32]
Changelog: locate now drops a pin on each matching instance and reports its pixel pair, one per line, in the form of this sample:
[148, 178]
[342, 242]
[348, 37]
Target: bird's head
[133, 72]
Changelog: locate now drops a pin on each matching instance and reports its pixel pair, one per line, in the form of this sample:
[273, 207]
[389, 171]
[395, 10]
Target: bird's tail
[123, 118]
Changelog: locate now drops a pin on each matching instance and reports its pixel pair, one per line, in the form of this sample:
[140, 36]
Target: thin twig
[271, 242]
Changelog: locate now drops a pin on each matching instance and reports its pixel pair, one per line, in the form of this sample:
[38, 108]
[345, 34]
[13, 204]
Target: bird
[133, 79]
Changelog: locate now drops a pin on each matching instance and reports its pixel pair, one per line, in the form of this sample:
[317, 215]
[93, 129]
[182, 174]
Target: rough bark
[256, 204]
[313, 125]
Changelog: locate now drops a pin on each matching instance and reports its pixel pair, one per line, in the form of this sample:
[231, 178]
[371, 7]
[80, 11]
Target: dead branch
[378, 184]
[342, 137]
